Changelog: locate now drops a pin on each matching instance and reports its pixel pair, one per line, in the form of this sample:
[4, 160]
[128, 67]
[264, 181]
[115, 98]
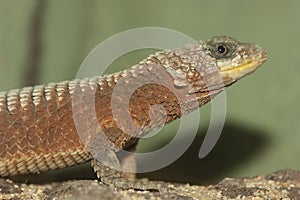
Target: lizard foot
[118, 180]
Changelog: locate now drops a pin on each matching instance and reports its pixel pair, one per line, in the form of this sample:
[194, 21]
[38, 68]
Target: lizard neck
[131, 103]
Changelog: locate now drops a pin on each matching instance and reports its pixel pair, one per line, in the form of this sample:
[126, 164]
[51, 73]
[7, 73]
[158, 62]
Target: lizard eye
[222, 49]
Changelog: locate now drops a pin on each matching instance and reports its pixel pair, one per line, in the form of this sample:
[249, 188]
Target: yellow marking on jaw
[244, 67]
[237, 72]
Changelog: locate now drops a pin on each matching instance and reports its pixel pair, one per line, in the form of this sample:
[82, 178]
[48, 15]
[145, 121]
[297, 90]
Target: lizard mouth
[240, 70]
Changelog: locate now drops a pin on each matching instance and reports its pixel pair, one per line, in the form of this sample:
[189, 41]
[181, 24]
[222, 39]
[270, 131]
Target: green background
[45, 41]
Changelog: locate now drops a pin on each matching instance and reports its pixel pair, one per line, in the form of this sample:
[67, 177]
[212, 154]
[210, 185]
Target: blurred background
[44, 41]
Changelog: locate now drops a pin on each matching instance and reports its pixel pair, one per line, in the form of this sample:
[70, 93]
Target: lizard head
[219, 62]
[211, 65]
[234, 59]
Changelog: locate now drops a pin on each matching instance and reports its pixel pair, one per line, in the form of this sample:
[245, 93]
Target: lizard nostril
[253, 50]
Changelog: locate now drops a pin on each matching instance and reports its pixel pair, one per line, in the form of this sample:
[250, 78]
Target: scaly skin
[51, 126]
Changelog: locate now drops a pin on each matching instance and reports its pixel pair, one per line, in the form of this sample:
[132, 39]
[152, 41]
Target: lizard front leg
[121, 178]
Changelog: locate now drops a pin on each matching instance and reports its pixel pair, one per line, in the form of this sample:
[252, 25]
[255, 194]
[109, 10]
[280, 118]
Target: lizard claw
[116, 179]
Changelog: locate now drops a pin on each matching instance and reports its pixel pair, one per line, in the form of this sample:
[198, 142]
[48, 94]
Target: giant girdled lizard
[37, 127]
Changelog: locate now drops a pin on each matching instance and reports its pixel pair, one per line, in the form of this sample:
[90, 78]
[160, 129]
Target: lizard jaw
[242, 69]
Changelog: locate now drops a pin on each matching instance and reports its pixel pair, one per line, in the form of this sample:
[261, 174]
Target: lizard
[38, 131]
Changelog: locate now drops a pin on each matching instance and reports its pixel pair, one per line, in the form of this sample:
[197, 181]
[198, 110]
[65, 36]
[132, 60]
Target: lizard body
[37, 127]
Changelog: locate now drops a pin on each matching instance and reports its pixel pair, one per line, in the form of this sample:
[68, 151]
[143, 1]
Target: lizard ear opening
[178, 77]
